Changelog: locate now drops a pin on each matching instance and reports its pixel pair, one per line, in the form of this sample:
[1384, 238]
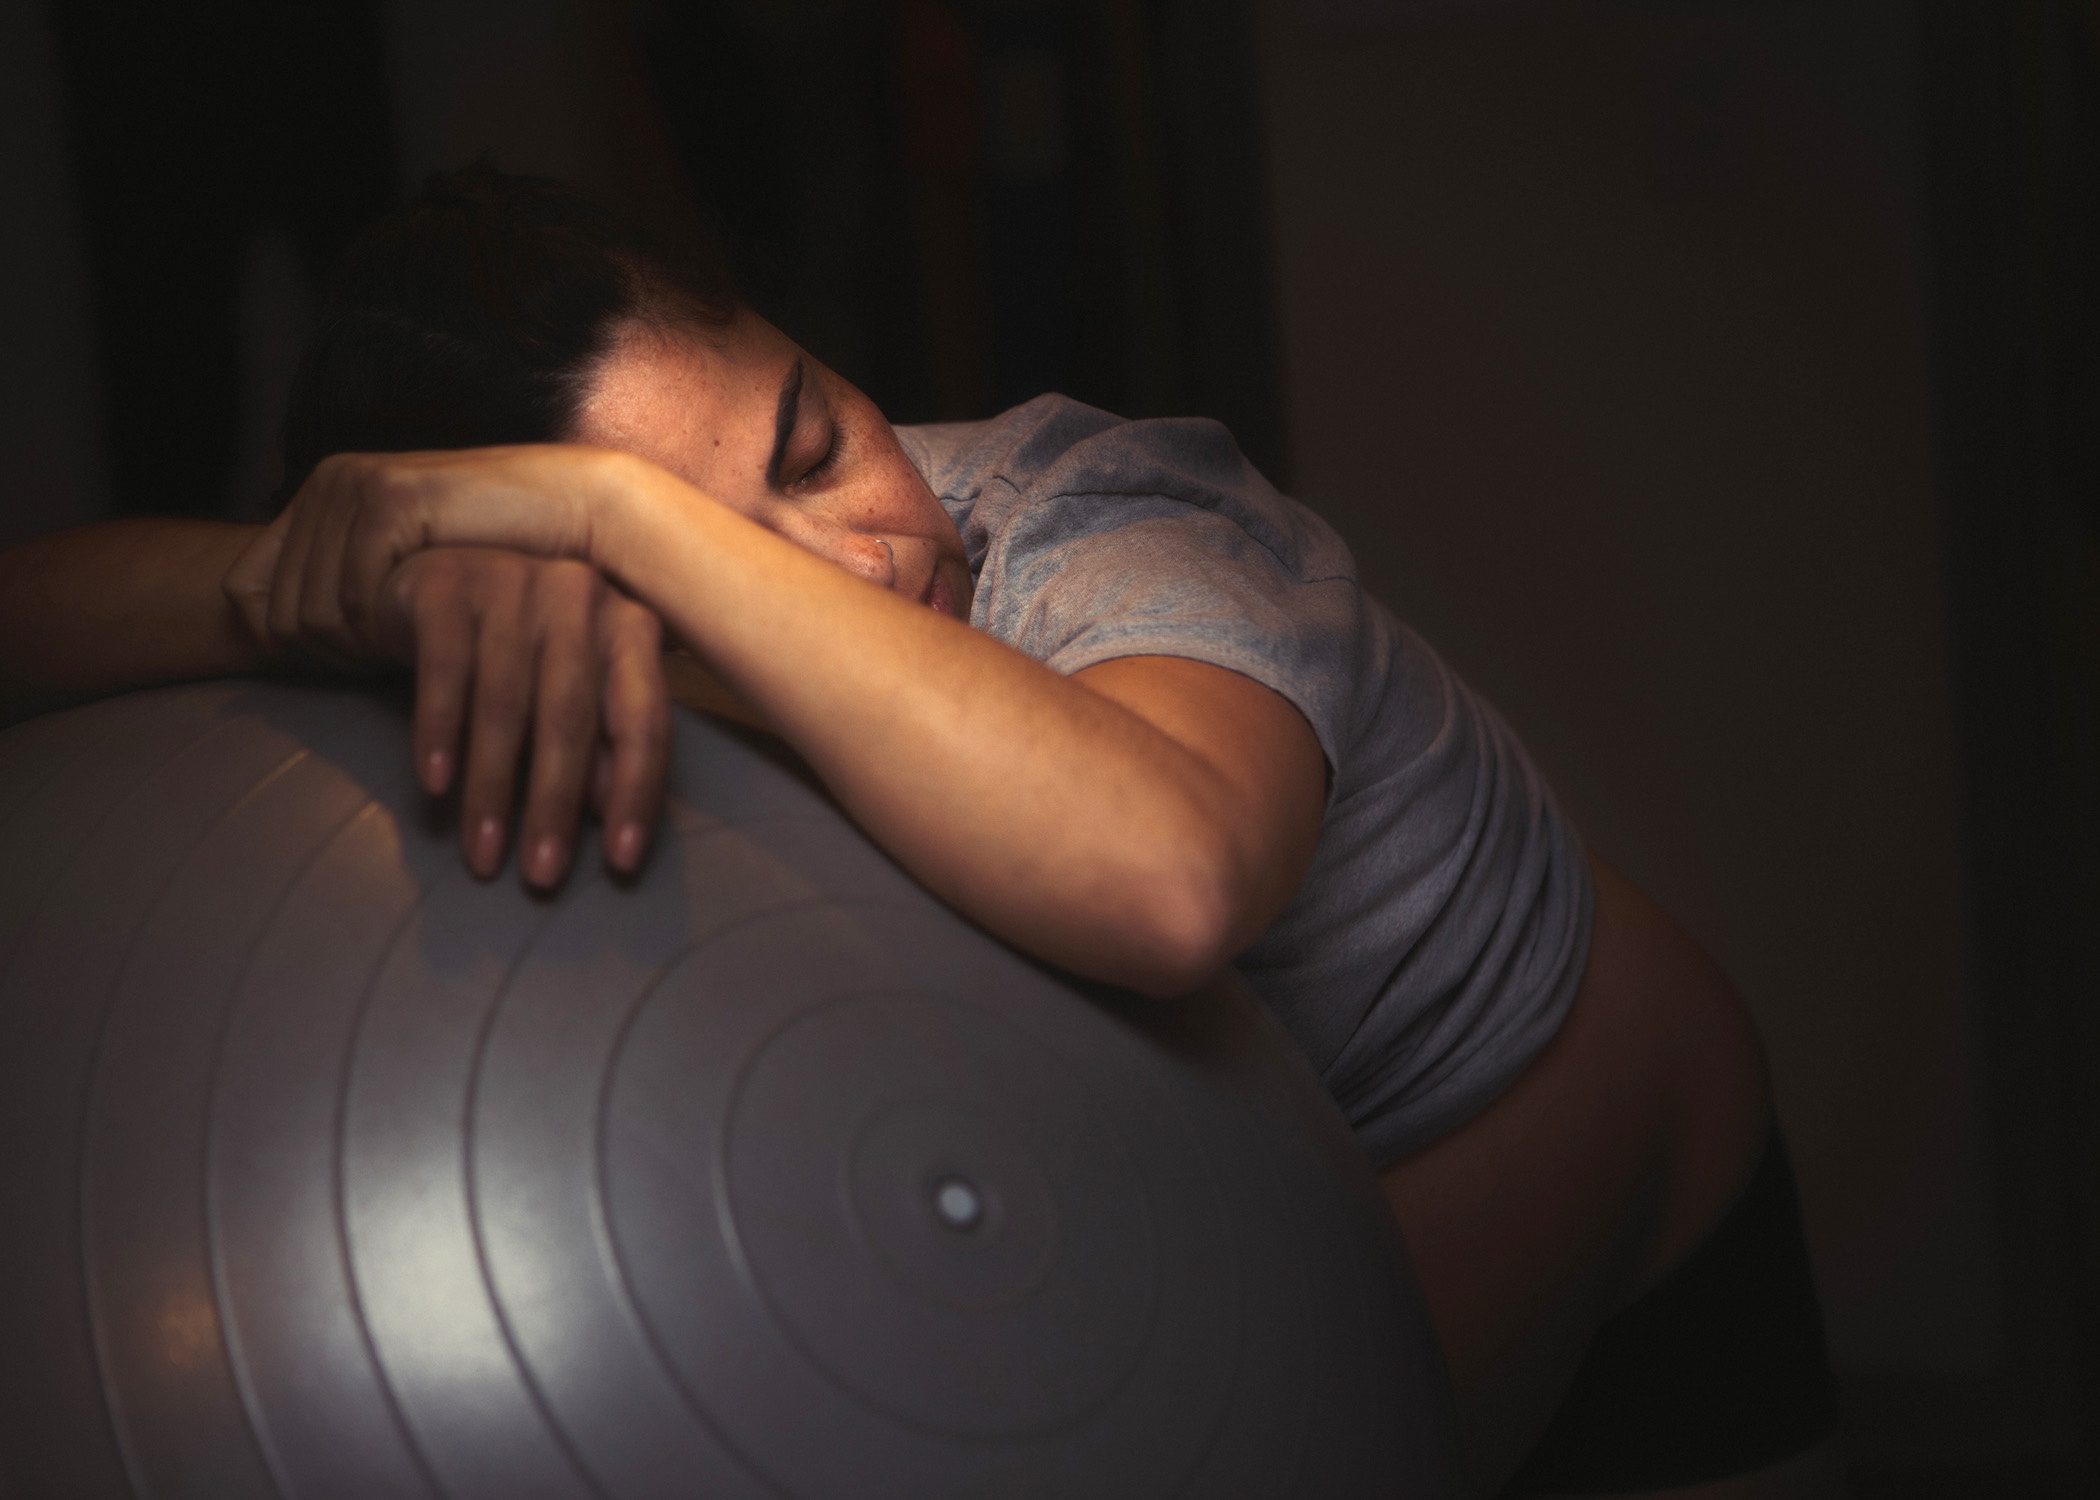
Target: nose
[864, 556]
[861, 553]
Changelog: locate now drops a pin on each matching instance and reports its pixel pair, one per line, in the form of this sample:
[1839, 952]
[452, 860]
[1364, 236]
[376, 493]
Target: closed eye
[785, 411]
[787, 421]
[825, 462]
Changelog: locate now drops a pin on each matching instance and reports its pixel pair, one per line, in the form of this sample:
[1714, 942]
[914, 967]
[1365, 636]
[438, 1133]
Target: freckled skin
[675, 398]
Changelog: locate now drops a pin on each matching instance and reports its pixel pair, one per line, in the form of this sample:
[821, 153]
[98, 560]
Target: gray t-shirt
[1439, 935]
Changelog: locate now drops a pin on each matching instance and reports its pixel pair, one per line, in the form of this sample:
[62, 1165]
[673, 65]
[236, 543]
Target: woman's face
[749, 419]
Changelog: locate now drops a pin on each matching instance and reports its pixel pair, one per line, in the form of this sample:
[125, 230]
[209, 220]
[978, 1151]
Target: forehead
[686, 399]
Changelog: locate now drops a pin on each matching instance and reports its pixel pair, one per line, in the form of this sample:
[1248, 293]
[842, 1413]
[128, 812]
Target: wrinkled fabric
[1440, 933]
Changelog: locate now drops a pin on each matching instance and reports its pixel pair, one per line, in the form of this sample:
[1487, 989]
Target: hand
[511, 649]
[508, 649]
[314, 578]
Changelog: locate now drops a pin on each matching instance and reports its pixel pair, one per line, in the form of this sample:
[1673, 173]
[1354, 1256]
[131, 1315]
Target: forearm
[122, 604]
[1137, 823]
[1054, 816]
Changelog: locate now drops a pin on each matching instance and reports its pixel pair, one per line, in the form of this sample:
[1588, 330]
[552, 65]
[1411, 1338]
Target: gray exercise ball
[332, 1171]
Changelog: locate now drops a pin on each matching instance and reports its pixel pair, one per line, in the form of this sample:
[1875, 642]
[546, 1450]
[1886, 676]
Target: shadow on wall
[1606, 340]
[1617, 382]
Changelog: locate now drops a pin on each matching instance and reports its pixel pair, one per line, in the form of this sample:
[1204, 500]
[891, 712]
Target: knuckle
[503, 591]
[387, 483]
[569, 586]
[445, 567]
[505, 582]
[439, 586]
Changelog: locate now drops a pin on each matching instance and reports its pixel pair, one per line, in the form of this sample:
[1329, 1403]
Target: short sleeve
[1094, 538]
[1440, 930]
[1096, 577]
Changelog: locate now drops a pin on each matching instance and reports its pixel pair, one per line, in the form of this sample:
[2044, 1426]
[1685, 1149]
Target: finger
[297, 521]
[564, 728]
[382, 528]
[444, 659]
[637, 730]
[247, 582]
[601, 773]
[303, 520]
[505, 662]
[321, 622]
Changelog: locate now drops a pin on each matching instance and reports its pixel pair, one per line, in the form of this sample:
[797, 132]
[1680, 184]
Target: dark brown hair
[475, 315]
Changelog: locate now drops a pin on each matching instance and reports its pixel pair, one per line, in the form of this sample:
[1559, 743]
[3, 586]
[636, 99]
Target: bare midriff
[1607, 1161]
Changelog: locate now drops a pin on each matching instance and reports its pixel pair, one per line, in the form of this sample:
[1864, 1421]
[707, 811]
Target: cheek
[911, 509]
[826, 533]
[887, 491]
[883, 504]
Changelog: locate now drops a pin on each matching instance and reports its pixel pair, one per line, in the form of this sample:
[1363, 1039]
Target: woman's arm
[1140, 822]
[507, 650]
[122, 604]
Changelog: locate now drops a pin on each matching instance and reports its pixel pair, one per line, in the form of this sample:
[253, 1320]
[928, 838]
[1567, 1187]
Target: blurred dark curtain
[963, 203]
[194, 129]
[2013, 119]
[958, 203]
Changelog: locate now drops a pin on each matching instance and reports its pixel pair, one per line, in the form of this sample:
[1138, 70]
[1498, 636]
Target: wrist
[629, 501]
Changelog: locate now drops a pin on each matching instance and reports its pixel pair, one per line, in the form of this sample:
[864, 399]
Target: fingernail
[437, 770]
[546, 860]
[627, 846]
[488, 846]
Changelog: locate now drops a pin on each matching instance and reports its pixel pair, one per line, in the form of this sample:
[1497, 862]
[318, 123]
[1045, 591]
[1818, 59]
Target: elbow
[1186, 928]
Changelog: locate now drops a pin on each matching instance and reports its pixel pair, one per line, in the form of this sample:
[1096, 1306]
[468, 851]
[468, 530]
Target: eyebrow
[784, 420]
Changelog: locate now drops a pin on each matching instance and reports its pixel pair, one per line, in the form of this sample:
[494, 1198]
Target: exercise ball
[330, 1170]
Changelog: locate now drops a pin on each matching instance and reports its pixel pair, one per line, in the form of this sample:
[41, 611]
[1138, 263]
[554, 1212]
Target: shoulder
[1054, 469]
[959, 458]
[1093, 538]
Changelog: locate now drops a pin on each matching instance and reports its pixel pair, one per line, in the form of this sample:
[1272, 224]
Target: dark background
[1716, 382]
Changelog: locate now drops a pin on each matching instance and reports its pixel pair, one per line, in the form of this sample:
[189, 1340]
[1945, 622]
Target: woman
[1094, 683]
